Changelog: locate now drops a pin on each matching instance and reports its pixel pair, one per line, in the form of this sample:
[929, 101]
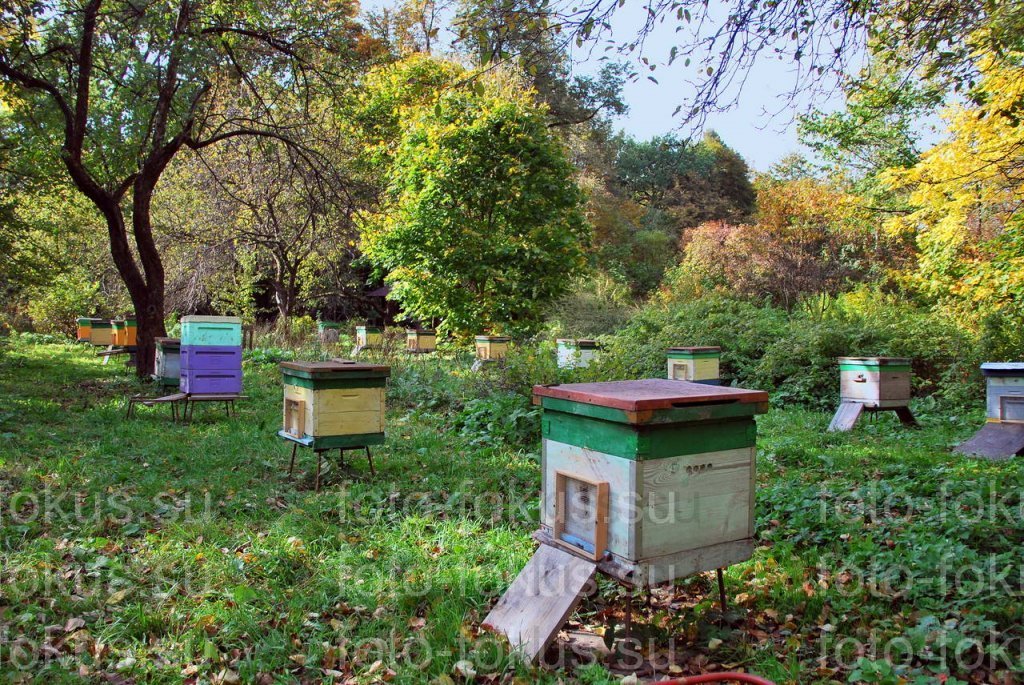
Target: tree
[966, 195]
[808, 239]
[480, 225]
[525, 33]
[112, 91]
[720, 42]
[257, 195]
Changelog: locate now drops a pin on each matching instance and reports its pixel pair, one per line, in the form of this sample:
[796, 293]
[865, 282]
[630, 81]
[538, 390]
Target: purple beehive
[211, 358]
[205, 382]
[211, 369]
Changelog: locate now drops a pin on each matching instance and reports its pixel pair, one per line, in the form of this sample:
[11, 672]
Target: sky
[762, 126]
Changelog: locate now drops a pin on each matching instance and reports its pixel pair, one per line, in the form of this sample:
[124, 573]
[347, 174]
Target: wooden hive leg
[316, 481]
[291, 466]
[721, 588]
[906, 417]
[341, 456]
[369, 458]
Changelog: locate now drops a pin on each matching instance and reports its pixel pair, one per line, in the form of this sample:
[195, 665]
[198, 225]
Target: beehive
[84, 329]
[211, 355]
[420, 340]
[491, 348]
[118, 333]
[654, 478]
[369, 336]
[130, 334]
[697, 364]
[336, 404]
[1004, 391]
[167, 361]
[875, 382]
[328, 331]
[575, 354]
[102, 333]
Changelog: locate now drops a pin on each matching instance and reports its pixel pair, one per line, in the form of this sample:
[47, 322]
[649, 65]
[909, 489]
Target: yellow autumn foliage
[966, 193]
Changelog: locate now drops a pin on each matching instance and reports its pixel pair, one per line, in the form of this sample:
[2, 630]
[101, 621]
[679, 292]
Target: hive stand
[1002, 436]
[644, 482]
[872, 384]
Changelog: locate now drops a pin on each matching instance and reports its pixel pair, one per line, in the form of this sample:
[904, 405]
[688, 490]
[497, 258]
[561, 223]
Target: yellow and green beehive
[696, 364]
[84, 329]
[102, 333]
[369, 336]
[420, 340]
[335, 404]
[653, 478]
[491, 348]
[875, 382]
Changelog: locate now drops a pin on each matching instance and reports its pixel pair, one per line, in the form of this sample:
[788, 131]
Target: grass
[144, 551]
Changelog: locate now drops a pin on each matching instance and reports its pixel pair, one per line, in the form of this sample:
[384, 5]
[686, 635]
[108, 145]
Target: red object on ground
[717, 678]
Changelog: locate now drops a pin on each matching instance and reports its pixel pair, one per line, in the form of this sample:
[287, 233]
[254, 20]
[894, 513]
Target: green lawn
[140, 550]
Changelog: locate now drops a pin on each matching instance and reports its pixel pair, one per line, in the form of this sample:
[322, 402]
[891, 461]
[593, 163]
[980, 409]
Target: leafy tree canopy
[480, 227]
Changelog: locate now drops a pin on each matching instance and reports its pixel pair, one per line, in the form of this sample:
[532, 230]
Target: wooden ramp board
[540, 600]
[995, 441]
[846, 416]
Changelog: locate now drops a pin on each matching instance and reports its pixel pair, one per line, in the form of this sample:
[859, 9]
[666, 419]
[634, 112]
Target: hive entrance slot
[581, 513]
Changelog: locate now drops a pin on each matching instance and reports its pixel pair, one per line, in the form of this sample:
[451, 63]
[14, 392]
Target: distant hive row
[107, 332]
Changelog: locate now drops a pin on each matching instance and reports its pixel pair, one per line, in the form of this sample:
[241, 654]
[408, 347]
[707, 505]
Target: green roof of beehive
[327, 324]
[100, 323]
[341, 369]
[694, 352]
[874, 363]
[192, 318]
[579, 344]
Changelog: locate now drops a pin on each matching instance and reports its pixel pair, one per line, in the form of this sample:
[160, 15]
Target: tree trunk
[148, 302]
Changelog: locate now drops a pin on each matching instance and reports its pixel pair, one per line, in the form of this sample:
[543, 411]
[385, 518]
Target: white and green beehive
[875, 382]
[652, 479]
[576, 354]
[695, 364]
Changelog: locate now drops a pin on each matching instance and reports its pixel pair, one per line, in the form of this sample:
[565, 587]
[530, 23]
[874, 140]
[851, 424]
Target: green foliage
[793, 354]
[596, 305]
[481, 226]
[55, 307]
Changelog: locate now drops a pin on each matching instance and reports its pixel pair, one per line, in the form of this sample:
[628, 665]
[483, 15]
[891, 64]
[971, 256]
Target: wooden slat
[651, 393]
[846, 416]
[540, 600]
[995, 441]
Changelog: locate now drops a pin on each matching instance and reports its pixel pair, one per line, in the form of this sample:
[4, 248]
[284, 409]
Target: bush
[55, 308]
[793, 354]
[597, 305]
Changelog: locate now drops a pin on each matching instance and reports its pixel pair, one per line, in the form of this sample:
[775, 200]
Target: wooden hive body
[213, 331]
[678, 461]
[420, 340]
[491, 348]
[696, 364]
[118, 333]
[876, 382]
[1004, 391]
[369, 336]
[333, 404]
[102, 333]
[167, 361]
[575, 354]
[211, 355]
[84, 329]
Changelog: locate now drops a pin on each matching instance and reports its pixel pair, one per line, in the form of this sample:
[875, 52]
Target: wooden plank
[651, 393]
[695, 501]
[995, 441]
[846, 416]
[540, 600]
